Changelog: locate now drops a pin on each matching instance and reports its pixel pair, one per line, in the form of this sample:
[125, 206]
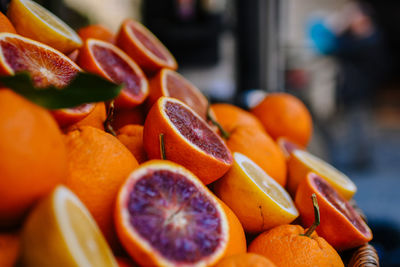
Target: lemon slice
[258, 200]
[34, 21]
[61, 232]
[303, 162]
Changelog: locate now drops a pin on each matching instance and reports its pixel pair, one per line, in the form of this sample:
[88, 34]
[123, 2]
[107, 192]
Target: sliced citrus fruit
[302, 162]
[287, 146]
[258, 200]
[96, 31]
[139, 43]
[170, 83]
[112, 63]
[165, 216]
[34, 21]
[189, 140]
[46, 65]
[340, 224]
[61, 232]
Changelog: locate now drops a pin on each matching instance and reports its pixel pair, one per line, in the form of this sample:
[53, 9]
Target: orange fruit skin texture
[245, 260]
[5, 24]
[177, 149]
[248, 137]
[285, 115]
[237, 239]
[124, 117]
[33, 156]
[96, 118]
[132, 137]
[140, 56]
[96, 31]
[285, 247]
[65, 118]
[98, 165]
[9, 249]
[334, 226]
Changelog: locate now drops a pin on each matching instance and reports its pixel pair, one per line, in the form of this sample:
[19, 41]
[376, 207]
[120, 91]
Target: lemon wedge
[303, 162]
[34, 21]
[61, 232]
[258, 200]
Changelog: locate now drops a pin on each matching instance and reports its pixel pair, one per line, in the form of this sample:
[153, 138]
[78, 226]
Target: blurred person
[354, 40]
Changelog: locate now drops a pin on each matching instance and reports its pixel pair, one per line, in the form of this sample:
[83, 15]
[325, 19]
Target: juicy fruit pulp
[169, 212]
[46, 65]
[339, 203]
[166, 217]
[61, 232]
[195, 131]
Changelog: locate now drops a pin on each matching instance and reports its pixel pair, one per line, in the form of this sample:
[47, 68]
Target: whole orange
[131, 136]
[9, 249]
[286, 246]
[5, 24]
[33, 156]
[247, 136]
[245, 260]
[98, 164]
[284, 115]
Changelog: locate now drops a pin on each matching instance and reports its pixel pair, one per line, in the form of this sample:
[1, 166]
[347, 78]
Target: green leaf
[84, 88]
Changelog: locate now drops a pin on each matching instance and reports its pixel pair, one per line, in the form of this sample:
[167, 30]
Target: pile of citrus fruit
[157, 176]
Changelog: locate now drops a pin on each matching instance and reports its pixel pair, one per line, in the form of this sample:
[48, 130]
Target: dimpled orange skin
[334, 226]
[98, 165]
[96, 31]
[138, 54]
[95, 118]
[245, 260]
[237, 239]
[5, 24]
[248, 137]
[177, 148]
[9, 249]
[132, 137]
[285, 115]
[33, 156]
[285, 247]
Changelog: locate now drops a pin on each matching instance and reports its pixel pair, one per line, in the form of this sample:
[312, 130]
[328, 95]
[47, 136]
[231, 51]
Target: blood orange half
[165, 216]
[112, 63]
[170, 83]
[139, 43]
[189, 140]
[46, 65]
[340, 224]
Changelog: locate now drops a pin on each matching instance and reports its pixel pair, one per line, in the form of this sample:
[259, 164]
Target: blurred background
[341, 57]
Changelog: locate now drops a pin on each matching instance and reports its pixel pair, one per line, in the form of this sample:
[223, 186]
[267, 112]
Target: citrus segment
[340, 224]
[61, 232]
[258, 200]
[189, 141]
[139, 43]
[34, 21]
[165, 216]
[112, 63]
[302, 162]
[170, 83]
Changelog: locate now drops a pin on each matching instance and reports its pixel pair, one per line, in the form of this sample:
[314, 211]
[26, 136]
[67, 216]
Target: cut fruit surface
[46, 65]
[170, 83]
[258, 200]
[189, 140]
[165, 216]
[34, 21]
[287, 146]
[96, 31]
[61, 232]
[302, 162]
[112, 63]
[340, 224]
[139, 43]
